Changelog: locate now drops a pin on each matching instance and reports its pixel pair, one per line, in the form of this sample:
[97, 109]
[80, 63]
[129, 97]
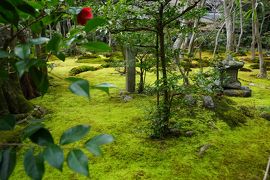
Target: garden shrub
[77, 70]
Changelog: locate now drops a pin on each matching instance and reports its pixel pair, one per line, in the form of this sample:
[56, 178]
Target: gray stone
[203, 149]
[265, 115]
[208, 102]
[190, 100]
[238, 92]
[189, 133]
[126, 98]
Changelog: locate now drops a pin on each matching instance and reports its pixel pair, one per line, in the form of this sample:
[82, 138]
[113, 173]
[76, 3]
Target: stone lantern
[229, 78]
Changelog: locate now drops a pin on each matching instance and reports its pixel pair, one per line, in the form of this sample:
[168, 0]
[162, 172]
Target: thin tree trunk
[157, 68]
[253, 43]
[165, 116]
[217, 37]
[193, 36]
[228, 4]
[241, 25]
[263, 70]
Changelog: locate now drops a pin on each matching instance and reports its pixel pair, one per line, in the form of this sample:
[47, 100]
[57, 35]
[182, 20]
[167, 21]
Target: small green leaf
[22, 67]
[93, 144]
[54, 155]
[97, 46]
[80, 87]
[74, 10]
[37, 27]
[94, 23]
[74, 134]
[8, 163]
[22, 51]
[7, 122]
[31, 129]
[105, 87]
[34, 165]
[42, 137]
[38, 41]
[54, 43]
[4, 54]
[78, 162]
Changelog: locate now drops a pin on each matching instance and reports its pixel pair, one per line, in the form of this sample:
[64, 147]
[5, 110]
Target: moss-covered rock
[77, 70]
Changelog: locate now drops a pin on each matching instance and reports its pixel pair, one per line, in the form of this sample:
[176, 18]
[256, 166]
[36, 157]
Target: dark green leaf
[94, 23]
[24, 7]
[54, 43]
[22, 51]
[3, 76]
[8, 163]
[78, 162]
[93, 144]
[40, 79]
[31, 129]
[4, 54]
[7, 122]
[36, 5]
[42, 137]
[97, 46]
[80, 87]
[60, 56]
[38, 41]
[74, 134]
[54, 155]
[34, 165]
[9, 12]
[1, 156]
[105, 87]
[37, 27]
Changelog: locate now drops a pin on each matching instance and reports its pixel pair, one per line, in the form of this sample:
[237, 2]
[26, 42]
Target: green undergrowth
[235, 153]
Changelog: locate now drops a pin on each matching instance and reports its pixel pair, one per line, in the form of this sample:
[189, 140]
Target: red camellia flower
[84, 15]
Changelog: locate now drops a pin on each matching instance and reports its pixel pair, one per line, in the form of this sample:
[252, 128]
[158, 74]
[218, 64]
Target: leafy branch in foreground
[49, 150]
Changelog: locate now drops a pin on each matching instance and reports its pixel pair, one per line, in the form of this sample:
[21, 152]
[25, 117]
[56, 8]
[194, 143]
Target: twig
[267, 170]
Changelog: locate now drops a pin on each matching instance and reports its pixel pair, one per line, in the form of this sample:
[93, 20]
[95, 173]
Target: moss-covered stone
[77, 70]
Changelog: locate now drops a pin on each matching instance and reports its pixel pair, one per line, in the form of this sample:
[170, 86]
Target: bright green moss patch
[235, 153]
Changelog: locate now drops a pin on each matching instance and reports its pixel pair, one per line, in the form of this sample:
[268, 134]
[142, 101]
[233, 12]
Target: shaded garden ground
[238, 153]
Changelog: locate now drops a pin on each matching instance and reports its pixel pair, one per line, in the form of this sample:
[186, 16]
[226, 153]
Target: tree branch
[182, 13]
[132, 30]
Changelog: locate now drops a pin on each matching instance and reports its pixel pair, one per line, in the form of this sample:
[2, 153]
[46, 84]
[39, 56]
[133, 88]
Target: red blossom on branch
[84, 15]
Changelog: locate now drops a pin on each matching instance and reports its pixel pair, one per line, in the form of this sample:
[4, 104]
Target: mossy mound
[77, 70]
[231, 114]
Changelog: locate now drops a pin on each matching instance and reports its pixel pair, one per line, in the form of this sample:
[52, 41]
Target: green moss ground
[239, 153]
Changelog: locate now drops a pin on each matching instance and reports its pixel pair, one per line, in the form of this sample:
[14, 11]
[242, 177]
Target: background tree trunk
[228, 5]
[241, 25]
[193, 36]
[131, 69]
[263, 70]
